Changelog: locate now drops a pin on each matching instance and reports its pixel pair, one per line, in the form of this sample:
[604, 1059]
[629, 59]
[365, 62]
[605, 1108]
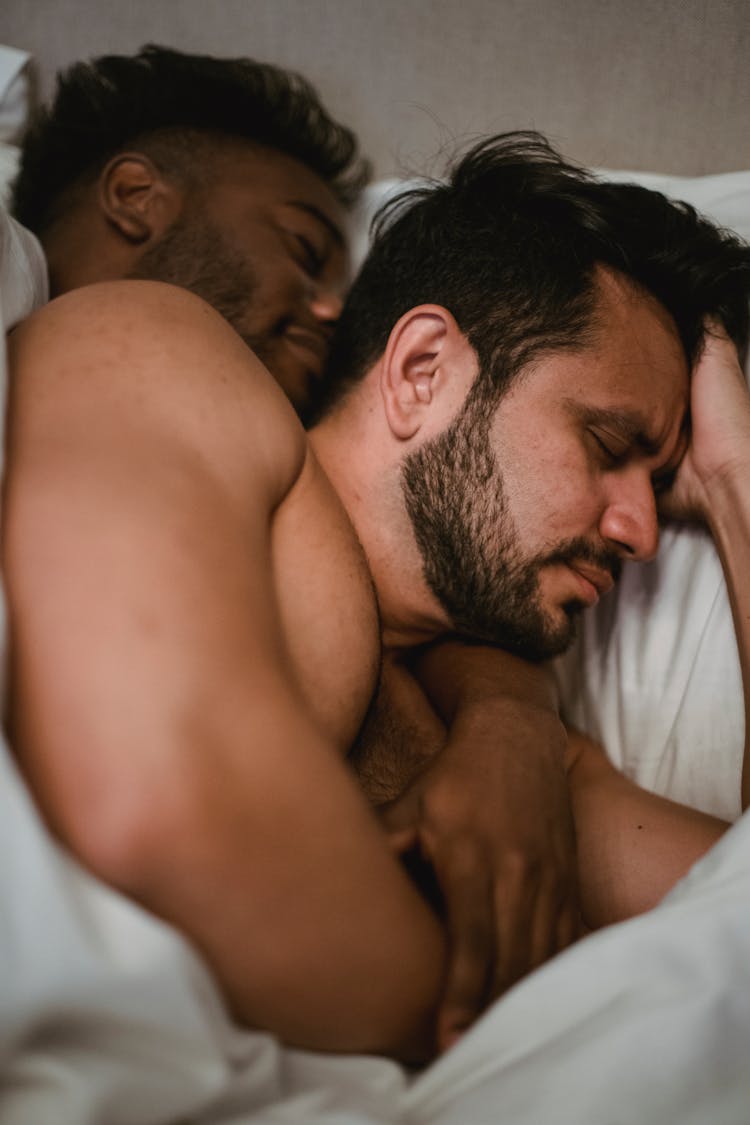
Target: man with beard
[225, 176]
[511, 389]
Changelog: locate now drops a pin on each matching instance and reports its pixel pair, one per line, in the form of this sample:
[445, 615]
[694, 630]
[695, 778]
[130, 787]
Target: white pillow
[725, 199]
[15, 104]
[15, 93]
[9, 157]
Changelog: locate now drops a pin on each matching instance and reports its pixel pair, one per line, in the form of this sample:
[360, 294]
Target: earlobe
[136, 199]
[411, 370]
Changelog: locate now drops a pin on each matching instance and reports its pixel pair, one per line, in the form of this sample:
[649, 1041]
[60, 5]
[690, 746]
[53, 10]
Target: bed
[106, 1014]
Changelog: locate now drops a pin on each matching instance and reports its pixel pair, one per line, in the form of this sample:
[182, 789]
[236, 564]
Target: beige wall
[659, 84]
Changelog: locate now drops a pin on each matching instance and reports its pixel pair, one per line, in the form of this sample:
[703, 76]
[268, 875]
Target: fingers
[467, 893]
[718, 346]
[570, 925]
[544, 929]
[501, 925]
[401, 840]
[516, 912]
[399, 818]
[536, 917]
[720, 409]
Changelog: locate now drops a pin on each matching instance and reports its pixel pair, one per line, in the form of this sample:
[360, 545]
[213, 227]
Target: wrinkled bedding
[107, 1016]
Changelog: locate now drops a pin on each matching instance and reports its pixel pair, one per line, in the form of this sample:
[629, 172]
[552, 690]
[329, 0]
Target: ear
[136, 199]
[426, 370]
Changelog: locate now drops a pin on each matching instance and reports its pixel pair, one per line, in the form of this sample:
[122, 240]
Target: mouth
[310, 346]
[594, 583]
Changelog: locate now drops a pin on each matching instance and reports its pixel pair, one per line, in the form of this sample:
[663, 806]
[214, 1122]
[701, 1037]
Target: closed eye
[611, 449]
[311, 259]
[614, 454]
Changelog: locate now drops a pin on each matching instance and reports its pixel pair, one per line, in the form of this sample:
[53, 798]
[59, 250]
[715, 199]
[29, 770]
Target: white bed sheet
[108, 1017]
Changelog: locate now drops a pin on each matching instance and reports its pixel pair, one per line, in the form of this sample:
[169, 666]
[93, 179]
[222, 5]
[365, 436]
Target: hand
[491, 818]
[720, 439]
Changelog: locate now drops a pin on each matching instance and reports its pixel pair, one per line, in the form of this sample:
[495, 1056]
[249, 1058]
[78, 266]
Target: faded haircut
[166, 103]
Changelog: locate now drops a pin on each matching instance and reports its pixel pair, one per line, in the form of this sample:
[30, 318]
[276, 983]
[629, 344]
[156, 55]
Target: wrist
[498, 717]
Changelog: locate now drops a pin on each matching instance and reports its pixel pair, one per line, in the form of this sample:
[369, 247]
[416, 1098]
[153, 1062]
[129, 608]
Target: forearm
[490, 697]
[248, 834]
[633, 846]
[729, 519]
[459, 676]
[283, 880]
[714, 483]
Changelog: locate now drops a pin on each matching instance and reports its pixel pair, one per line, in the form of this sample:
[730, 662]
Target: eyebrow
[628, 425]
[311, 209]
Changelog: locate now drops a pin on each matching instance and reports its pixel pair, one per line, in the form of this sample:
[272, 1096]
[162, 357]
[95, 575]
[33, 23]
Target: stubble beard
[196, 256]
[472, 560]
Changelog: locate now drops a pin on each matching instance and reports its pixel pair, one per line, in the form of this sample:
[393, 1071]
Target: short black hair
[107, 104]
[510, 243]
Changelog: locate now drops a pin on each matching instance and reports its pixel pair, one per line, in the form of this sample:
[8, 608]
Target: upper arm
[139, 497]
[633, 845]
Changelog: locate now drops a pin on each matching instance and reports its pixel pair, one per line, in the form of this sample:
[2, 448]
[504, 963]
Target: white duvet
[107, 1016]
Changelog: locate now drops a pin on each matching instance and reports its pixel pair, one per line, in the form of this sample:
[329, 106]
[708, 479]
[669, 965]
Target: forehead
[268, 178]
[631, 363]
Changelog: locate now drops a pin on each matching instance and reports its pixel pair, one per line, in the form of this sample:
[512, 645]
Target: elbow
[128, 828]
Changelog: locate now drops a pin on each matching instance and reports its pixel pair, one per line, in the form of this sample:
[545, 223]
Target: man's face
[263, 242]
[523, 517]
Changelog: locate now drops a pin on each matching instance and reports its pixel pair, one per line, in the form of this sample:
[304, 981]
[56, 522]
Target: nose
[629, 522]
[326, 304]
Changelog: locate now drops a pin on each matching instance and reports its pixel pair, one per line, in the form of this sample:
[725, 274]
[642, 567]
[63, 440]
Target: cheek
[553, 499]
[532, 478]
[273, 303]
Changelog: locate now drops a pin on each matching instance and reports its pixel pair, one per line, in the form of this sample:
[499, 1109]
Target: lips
[601, 580]
[311, 346]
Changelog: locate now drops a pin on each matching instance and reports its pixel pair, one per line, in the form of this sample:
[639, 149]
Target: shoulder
[143, 313]
[153, 362]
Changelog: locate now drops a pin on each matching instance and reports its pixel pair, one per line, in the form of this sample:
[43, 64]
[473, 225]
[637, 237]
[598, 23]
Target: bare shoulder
[149, 455]
[144, 361]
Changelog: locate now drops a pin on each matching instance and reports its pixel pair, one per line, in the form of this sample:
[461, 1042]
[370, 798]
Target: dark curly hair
[163, 100]
[509, 244]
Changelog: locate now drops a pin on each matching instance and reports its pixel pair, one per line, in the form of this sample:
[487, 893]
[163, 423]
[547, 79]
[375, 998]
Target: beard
[196, 256]
[471, 555]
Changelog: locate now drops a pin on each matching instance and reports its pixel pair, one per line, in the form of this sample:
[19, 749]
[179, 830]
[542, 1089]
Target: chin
[566, 629]
[534, 636]
[551, 635]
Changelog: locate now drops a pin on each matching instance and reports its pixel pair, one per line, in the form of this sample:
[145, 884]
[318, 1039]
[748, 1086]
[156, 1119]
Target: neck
[80, 251]
[362, 461]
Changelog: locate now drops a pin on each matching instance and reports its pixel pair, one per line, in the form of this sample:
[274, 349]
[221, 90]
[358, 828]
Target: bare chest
[327, 606]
